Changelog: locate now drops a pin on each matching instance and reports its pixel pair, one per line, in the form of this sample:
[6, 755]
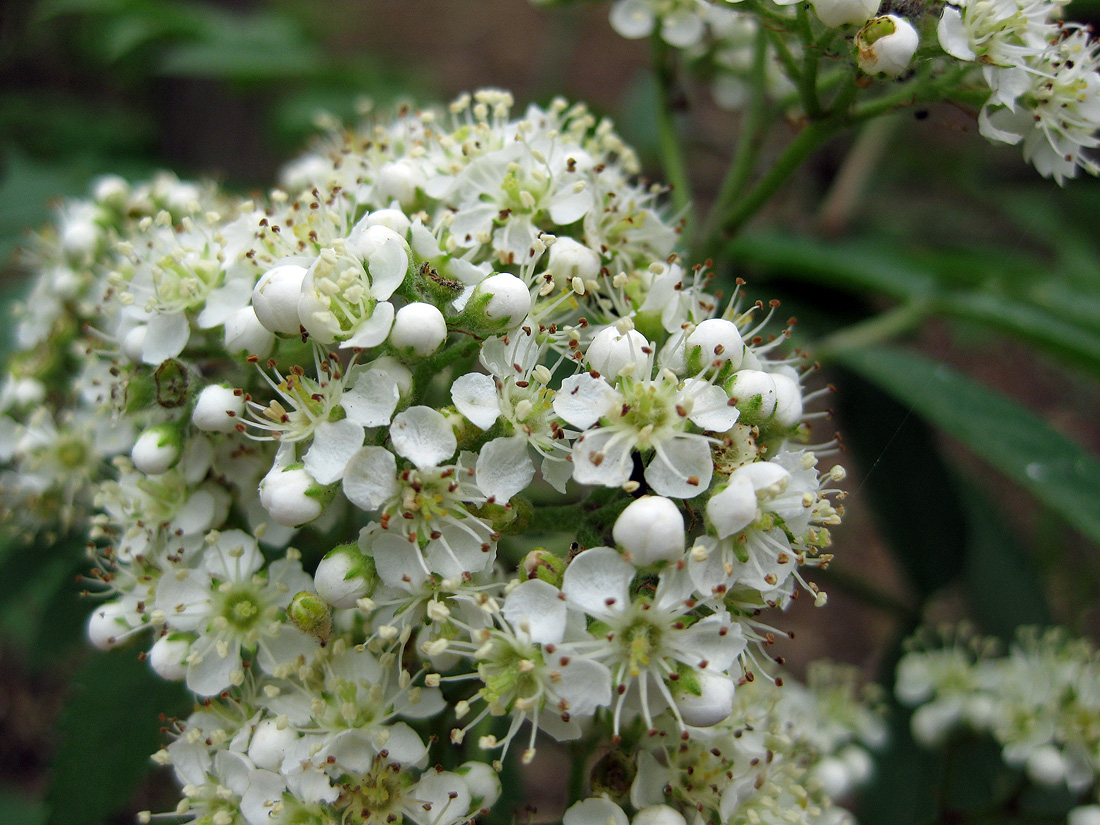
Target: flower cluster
[1042, 74]
[316, 435]
[1039, 701]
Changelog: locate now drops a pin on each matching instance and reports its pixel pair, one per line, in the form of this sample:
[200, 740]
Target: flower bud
[499, 302]
[483, 782]
[418, 330]
[275, 298]
[658, 815]
[399, 180]
[168, 656]
[613, 353]
[540, 563]
[650, 530]
[292, 496]
[157, 449]
[716, 339]
[311, 615]
[836, 13]
[708, 698]
[270, 743]
[218, 409]
[111, 190]
[788, 401]
[107, 625]
[244, 334]
[886, 45]
[395, 219]
[569, 259]
[345, 575]
[753, 391]
[834, 777]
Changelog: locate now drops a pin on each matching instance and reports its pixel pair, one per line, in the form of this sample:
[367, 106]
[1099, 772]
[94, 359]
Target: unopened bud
[292, 496]
[499, 302]
[311, 615]
[157, 449]
[650, 530]
[613, 353]
[418, 330]
[218, 409]
[836, 13]
[168, 656]
[245, 334]
[345, 575]
[275, 298]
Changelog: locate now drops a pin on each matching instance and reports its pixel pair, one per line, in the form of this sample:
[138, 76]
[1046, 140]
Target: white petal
[209, 673]
[233, 557]
[603, 457]
[370, 478]
[334, 442]
[475, 396]
[537, 608]
[165, 337]
[372, 331]
[265, 791]
[423, 436]
[952, 34]
[397, 561]
[388, 266]
[567, 205]
[373, 397]
[734, 508]
[596, 576]
[710, 408]
[459, 550]
[682, 467]
[582, 399]
[556, 472]
[444, 797]
[504, 468]
[585, 685]
[714, 640]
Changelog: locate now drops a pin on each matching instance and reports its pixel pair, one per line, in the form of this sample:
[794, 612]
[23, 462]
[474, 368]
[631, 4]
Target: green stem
[748, 142]
[672, 156]
[807, 83]
[881, 327]
[578, 772]
[808, 140]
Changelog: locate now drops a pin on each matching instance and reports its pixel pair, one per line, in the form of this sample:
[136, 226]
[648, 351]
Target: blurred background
[954, 508]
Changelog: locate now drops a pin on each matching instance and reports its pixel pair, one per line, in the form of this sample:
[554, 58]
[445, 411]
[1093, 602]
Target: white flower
[886, 45]
[1054, 108]
[230, 607]
[647, 644]
[645, 415]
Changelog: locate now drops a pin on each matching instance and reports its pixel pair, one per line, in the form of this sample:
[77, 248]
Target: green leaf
[987, 289]
[1004, 587]
[1054, 469]
[18, 809]
[108, 730]
[904, 477]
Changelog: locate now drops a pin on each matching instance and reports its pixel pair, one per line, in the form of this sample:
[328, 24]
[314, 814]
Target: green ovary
[242, 609]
